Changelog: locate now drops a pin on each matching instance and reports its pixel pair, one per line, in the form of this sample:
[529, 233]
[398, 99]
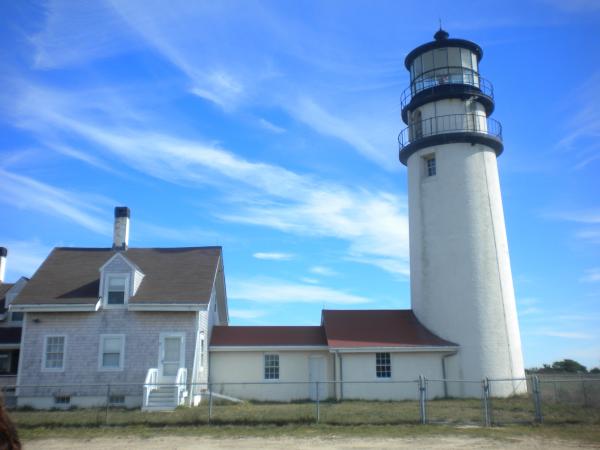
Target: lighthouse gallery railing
[451, 123]
[443, 76]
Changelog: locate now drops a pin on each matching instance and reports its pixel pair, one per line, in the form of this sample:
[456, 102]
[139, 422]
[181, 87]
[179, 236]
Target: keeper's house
[134, 318]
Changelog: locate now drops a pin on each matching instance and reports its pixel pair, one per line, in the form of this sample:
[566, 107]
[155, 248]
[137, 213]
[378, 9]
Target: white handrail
[150, 384]
[181, 382]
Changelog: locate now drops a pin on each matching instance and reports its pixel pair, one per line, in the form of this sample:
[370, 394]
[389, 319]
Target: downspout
[444, 372]
[341, 375]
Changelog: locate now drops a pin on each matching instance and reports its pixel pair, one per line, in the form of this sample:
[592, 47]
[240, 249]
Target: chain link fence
[543, 399]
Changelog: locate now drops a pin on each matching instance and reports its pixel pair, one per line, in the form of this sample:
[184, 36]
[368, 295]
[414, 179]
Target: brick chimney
[121, 230]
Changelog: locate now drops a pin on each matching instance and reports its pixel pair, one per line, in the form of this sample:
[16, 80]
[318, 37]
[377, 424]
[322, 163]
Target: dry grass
[450, 411]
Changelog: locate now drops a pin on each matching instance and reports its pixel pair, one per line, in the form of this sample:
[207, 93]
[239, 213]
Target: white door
[171, 356]
[316, 372]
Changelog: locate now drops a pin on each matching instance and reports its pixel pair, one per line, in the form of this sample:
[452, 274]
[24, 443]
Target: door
[316, 372]
[171, 356]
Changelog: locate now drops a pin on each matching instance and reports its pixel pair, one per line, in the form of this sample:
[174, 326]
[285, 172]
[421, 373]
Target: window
[5, 362]
[9, 361]
[62, 400]
[54, 353]
[430, 169]
[116, 399]
[111, 351]
[383, 365]
[16, 316]
[116, 290]
[271, 367]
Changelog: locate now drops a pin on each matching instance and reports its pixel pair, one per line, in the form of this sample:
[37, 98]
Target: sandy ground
[191, 442]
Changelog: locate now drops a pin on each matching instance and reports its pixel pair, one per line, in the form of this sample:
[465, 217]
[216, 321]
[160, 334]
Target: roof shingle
[267, 336]
[172, 275]
[377, 328]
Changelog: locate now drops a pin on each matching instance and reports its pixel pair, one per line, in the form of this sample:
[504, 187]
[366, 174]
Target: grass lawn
[348, 418]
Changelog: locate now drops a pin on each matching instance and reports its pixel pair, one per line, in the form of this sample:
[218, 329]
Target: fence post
[537, 400]
[107, 403]
[487, 416]
[585, 400]
[209, 403]
[422, 399]
[318, 406]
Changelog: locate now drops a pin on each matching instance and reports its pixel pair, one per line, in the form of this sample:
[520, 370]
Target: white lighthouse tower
[461, 282]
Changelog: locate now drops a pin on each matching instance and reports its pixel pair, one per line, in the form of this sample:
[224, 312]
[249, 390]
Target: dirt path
[191, 442]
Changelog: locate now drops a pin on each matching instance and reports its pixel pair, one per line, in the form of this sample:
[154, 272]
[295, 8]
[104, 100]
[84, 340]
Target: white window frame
[265, 367]
[107, 278]
[101, 368]
[383, 377]
[426, 159]
[64, 359]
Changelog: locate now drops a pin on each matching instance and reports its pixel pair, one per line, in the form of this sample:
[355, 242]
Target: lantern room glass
[446, 65]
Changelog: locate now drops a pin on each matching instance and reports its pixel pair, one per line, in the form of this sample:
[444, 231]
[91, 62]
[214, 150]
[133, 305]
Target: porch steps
[162, 399]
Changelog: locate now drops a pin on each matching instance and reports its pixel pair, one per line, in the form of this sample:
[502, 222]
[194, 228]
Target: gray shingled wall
[141, 330]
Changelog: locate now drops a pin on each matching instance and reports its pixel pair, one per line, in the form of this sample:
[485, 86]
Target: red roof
[267, 336]
[377, 328]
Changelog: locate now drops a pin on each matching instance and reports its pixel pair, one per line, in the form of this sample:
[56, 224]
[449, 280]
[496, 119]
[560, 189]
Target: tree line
[564, 366]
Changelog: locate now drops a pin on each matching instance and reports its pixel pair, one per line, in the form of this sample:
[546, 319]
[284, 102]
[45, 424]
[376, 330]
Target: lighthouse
[460, 275]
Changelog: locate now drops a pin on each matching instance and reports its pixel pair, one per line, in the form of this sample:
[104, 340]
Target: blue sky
[270, 129]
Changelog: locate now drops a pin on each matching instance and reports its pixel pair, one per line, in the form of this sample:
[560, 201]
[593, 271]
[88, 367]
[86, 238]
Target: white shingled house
[128, 317]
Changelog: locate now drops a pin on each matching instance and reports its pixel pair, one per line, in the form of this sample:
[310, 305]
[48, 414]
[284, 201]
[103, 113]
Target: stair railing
[150, 384]
[181, 383]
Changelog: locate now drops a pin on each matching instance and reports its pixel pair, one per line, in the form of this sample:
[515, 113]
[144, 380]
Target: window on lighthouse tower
[429, 165]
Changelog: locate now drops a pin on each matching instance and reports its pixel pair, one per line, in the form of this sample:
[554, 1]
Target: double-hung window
[112, 348]
[271, 367]
[115, 291]
[54, 353]
[383, 365]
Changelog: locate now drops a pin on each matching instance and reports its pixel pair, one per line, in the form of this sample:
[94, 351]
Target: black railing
[443, 76]
[452, 123]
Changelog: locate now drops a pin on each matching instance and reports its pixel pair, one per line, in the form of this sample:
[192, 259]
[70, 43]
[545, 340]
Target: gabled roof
[228, 336]
[70, 276]
[377, 328]
[4, 288]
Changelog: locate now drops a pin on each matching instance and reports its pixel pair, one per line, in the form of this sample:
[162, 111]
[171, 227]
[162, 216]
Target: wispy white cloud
[528, 311]
[26, 193]
[246, 313]
[269, 126]
[566, 334]
[75, 33]
[309, 280]
[275, 291]
[267, 195]
[581, 140]
[591, 275]
[273, 256]
[230, 69]
[322, 270]
[24, 257]
[308, 111]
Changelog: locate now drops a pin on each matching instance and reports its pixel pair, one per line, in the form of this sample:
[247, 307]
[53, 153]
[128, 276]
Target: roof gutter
[256, 348]
[165, 307]
[416, 349]
[59, 307]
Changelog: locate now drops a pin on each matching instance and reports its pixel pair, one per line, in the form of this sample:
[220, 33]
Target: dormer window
[120, 279]
[116, 290]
